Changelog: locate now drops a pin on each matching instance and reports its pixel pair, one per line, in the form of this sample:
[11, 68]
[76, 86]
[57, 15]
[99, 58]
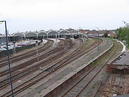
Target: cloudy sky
[26, 15]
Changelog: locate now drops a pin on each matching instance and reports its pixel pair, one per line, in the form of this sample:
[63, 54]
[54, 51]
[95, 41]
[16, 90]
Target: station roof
[31, 34]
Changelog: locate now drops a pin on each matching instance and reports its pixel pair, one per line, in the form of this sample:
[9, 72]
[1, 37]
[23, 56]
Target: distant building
[111, 34]
[11, 38]
[83, 31]
[92, 34]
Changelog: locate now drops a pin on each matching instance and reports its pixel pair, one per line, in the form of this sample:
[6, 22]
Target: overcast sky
[26, 15]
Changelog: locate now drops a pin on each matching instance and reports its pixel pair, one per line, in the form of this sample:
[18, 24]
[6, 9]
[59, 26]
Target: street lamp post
[8, 58]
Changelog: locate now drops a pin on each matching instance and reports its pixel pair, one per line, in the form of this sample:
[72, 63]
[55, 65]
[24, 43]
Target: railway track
[46, 72]
[4, 78]
[26, 54]
[109, 91]
[59, 53]
[28, 70]
[75, 86]
[30, 61]
[31, 68]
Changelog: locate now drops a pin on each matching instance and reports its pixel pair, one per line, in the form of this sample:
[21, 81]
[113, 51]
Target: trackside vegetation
[123, 34]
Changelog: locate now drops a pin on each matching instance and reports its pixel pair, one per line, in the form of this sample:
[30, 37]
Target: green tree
[123, 34]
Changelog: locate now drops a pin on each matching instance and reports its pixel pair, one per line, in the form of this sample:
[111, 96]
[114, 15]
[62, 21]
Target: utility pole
[56, 36]
[43, 40]
[46, 35]
[14, 46]
[98, 38]
[8, 58]
[37, 52]
[98, 41]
